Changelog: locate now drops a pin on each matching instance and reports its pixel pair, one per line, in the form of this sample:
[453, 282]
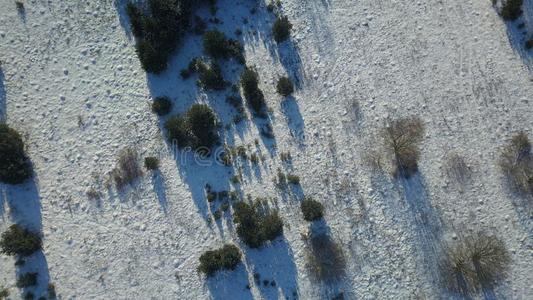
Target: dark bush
[529, 44]
[511, 9]
[151, 163]
[136, 19]
[225, 258]
[210, 77]
[151, 60]
[255, 226]
[203, 123]
[293, 179]
[285, 86]
[179, 131]
[217, 45]
[516, 162]
[127, 168]
[27, 280]
[250, 85]
[281, 29]
[15, 167]
[474, 262]
[402, 138]
[161, 106]
[4, 293]
[312, 209]
[19, 241]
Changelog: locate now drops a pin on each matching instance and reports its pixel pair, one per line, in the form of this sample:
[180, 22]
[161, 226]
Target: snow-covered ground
[72, 84]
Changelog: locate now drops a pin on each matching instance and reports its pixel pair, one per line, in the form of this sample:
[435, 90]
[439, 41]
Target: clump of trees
[474, 262]
[19, 241]
[256, 224]
[218, 46]
[225, 258]
[151, 163]
[516, 161]
[198, 128]
[15, 166]
[511, 9]
[285, 87]
[281, 29]
[210, 76]
[250, 85]
[312, 209]
[402, 138]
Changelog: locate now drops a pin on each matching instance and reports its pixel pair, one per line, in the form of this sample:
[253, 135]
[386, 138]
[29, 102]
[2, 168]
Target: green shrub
[15, 167]
[179, 131]
[402, 138]
[4, 293]
[511, 9]
[136, 19]
[203, 123]
[210, 77]
[293, 179]
[19, 241]
[225, 258]
[151, 163]
[161, 106]
[250, 85]
[27, 280]
[151, 60]
[281, 29]
[285, 86]
[217, 45]
[312, 209]
[255, 226]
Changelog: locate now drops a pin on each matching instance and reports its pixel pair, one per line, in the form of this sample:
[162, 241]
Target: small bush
[225, 258]
[178, 131]
[256, 226]
[474, 262]
[402, 138]
[250, 85]
[151, 163]
[161, 106]
[293, 179]
[27, 280]
[281, 29]
[529, 44]
[203, 123]
[210, 77]
[516, 162]
[217, 45]
[511, 9]
[15, 167]
[20, 5]
[19, 241]
[285, 86]
[312, 209]
[326, 259]
[4, 293]
[127, 169]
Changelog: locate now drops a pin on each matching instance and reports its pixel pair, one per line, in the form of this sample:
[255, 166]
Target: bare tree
[516, 162]
[402, 138]
[127, 169]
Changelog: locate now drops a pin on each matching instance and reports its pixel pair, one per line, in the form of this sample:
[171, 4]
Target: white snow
[72, 84]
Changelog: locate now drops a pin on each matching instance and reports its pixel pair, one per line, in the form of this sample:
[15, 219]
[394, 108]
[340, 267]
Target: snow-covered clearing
[71, 82]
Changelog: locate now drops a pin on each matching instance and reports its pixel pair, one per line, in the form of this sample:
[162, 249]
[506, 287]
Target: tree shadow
[521, 30]
[426, 222]
[289, 57]
[275, 273]
[3, 105]
[25, 210]
[160, 189]
[230, 285]
[295, 121]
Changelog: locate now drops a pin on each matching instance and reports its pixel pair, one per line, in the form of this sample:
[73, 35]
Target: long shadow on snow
[519, 31]
[25, 206]
[230, 285]
[274, 262]
[426, 223]
[2, 97]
